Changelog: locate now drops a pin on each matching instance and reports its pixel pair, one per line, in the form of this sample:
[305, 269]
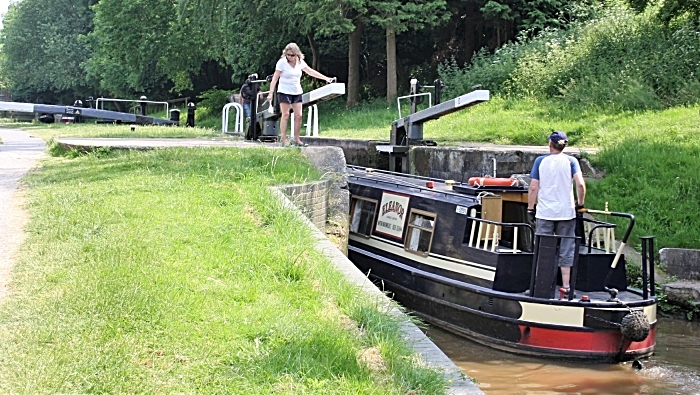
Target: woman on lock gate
[288, 72]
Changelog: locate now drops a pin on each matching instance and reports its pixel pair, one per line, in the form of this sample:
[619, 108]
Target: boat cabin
[482, 233]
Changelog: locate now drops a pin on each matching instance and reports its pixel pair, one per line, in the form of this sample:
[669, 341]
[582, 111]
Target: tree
[44, 50]
[354, 42]
[670, 9]
[331, 18]
[127, 50]
[397, 16]
[155, 47]
[243, 36]
[510, 17]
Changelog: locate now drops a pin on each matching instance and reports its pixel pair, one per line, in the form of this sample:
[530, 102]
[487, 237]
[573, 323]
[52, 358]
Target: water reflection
[673, 369]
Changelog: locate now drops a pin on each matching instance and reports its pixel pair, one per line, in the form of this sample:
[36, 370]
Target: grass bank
[175, 271]
[649, 158]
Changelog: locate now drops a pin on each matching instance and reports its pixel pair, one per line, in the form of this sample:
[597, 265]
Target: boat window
[419, 236]
[362, 212]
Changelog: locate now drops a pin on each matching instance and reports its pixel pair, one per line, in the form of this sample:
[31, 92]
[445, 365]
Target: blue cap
[558, 137]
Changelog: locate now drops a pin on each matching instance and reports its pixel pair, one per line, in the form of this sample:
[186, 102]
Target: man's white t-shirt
[555, 198]
[290, 77]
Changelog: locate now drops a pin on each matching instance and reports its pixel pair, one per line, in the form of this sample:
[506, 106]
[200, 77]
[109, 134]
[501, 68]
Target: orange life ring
[493, 182]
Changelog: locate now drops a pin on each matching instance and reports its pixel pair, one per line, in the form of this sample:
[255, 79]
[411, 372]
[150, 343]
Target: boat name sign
[392, 214]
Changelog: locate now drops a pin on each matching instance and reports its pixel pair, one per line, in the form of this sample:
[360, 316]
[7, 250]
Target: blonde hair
[293, 48]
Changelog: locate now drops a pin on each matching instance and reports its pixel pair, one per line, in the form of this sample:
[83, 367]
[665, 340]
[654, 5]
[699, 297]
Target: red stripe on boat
[603, 342]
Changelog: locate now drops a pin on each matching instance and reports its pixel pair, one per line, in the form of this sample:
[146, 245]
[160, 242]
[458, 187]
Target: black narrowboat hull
[417, 239]
[509, 322]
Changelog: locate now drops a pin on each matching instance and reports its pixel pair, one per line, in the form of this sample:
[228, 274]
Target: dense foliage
[56, 51]
[619, 60]
[43, 49]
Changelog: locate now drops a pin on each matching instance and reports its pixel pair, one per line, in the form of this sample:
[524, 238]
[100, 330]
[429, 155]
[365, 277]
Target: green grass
[522, 122]
[176, 271]
[56, 130]
[650, 158]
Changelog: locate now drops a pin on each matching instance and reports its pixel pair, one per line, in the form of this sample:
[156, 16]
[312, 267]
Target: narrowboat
[465, 258]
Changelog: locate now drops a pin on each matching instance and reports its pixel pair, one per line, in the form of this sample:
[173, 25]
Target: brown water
[673, 369]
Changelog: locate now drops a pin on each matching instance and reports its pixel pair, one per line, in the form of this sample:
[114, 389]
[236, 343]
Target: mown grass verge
[176, 271]
[649, 158]
[90, 129]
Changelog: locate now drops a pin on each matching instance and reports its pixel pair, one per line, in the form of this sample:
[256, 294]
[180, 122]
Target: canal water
[673, 369]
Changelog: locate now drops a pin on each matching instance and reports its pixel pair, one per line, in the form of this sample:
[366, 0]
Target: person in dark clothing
[246, 97]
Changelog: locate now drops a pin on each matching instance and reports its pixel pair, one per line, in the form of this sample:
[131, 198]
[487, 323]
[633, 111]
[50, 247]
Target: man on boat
[553, 176]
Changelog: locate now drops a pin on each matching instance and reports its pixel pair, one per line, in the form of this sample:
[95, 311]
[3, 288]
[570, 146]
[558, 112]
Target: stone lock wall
[454, 163]
[681, 262]
[311, 199]
[684, 265]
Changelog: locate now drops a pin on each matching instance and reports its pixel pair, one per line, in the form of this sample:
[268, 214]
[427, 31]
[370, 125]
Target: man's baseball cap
[558, 137]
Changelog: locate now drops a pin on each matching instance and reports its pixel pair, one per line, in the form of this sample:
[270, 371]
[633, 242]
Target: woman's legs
[284, 109]
[297, 120]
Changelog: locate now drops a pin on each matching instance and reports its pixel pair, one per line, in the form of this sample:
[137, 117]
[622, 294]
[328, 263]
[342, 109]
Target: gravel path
[19, 152]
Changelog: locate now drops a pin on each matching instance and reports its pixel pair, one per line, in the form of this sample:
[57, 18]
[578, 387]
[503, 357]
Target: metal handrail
[97, 102]
[238, 125]
[631, 219]
[494, 237]
[609, 235]
[648, 254]
[398, 100]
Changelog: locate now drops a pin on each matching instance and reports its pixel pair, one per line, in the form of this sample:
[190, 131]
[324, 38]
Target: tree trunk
[315, 61]
[471, 40]
[391, 89]
[355, 43]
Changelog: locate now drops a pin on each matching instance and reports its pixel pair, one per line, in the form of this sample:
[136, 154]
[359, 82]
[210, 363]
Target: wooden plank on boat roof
[514, 197]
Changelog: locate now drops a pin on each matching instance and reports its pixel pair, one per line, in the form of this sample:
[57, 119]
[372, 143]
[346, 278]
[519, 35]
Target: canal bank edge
[457, 162]
[331, 161]
[459, 384]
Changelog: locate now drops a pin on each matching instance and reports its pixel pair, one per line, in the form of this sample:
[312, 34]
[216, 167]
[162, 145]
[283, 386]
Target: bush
[620, 61]
[490, 71]
[612, 93]
[211, 102]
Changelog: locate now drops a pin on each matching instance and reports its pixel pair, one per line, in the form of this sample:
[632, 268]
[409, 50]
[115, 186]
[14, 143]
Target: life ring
[493, 182]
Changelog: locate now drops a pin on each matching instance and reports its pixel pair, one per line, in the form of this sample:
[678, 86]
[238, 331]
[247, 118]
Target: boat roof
[434, 188]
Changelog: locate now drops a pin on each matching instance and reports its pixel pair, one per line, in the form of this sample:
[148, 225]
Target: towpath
[19, 153]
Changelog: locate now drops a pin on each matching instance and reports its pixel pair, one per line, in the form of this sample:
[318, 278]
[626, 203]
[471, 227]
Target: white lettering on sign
[392, 215]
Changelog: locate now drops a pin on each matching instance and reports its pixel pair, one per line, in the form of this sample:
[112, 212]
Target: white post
[238, 126]
[478, 234]
[239, 118]
[309, 120]
[224, 119]
[312, 121]
[471, 234]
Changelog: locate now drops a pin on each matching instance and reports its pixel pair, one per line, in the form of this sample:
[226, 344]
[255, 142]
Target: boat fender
[635, 326]
[493, 182]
